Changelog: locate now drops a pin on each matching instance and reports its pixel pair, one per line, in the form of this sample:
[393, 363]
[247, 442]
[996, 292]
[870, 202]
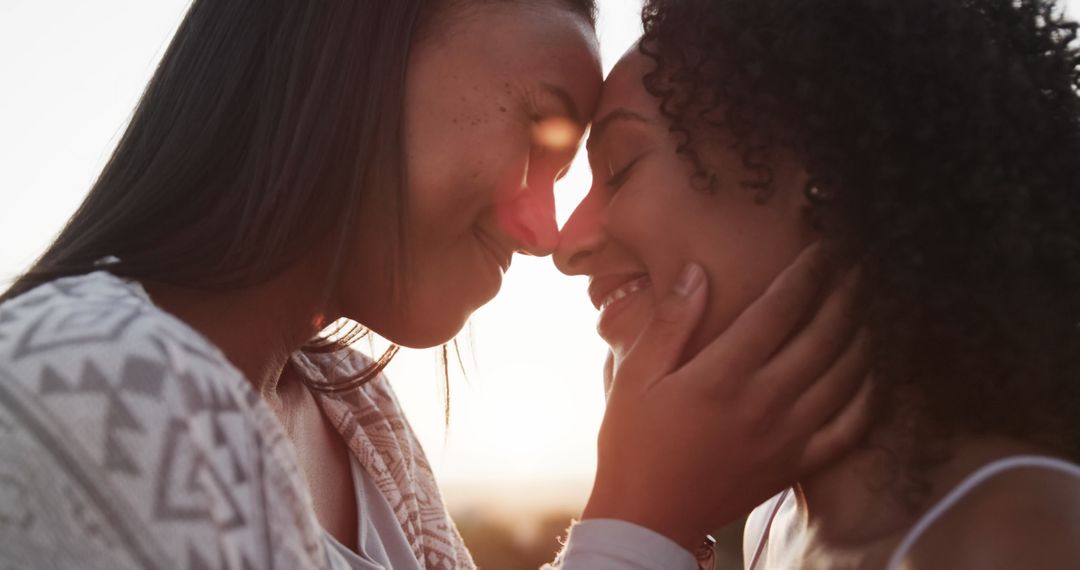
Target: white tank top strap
[974, 480]
[764, 538]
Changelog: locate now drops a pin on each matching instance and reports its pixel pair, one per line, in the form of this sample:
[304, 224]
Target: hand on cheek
[683, 451]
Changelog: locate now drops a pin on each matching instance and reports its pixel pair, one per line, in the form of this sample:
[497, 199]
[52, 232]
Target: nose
[582, 238]
[530, 221]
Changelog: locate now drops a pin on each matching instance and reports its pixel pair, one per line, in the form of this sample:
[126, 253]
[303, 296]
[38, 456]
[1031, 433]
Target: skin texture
[479, 177]
[649, 219]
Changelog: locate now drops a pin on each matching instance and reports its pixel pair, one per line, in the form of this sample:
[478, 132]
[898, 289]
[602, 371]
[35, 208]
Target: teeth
[625, 290]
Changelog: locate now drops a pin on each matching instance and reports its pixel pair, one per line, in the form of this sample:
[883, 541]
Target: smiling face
[643, 219]
[496, 105]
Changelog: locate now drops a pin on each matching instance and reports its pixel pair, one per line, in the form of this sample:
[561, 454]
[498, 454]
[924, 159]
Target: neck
[257, 328]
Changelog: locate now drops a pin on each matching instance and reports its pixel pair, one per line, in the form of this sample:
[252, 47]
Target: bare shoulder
[1023, 518]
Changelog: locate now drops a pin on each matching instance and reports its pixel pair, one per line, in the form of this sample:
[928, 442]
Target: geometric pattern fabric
[128, 441]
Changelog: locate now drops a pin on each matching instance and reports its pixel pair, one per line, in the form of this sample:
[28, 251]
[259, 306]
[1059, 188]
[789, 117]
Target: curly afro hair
[942, 139]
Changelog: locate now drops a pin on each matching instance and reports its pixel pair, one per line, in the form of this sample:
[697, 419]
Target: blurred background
[517, 455]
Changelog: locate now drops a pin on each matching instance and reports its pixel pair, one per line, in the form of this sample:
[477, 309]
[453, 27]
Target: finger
[840, 434]
[657, 350]
[831, 392]
[814, 349]
[763, 326]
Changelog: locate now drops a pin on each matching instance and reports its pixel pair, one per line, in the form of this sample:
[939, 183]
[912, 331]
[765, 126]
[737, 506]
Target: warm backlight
[556, 133]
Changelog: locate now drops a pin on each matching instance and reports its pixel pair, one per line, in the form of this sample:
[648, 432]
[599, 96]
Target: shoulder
[97, 334]
[123, 425]
[1027, 517]
[96, 317]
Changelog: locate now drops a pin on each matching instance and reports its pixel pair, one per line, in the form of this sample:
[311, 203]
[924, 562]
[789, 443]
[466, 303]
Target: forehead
[518, 42]
[623, 88]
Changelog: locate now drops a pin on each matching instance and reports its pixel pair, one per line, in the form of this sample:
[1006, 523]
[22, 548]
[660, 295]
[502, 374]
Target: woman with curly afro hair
[932, 147]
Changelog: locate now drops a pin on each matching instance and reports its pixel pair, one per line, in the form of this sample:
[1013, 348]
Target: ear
[803, 194]
[816, 191]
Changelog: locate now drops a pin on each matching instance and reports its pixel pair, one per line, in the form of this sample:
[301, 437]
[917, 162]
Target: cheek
[456, 176]
[743, 245]
[660, 222]
[743, 248]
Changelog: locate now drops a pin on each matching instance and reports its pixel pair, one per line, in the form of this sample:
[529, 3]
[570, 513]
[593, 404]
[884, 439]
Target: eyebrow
[620, 114]
[564, 97]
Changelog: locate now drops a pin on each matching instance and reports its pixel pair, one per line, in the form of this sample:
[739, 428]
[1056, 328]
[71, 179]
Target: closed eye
[617, 179]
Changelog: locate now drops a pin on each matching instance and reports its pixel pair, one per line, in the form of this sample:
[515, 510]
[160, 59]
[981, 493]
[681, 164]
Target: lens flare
[556, 133]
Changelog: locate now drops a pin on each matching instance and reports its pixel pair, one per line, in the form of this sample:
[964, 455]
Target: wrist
[605, 504]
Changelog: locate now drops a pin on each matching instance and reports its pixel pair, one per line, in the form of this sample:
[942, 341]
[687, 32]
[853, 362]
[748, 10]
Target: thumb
[657, 350]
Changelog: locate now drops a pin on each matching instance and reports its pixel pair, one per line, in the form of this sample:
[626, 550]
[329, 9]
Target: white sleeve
[611, 544]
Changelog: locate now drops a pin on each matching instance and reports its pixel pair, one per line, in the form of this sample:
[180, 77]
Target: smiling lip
[501, 256]
[605, 290]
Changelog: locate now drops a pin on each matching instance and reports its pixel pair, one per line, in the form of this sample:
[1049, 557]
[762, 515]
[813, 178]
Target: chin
[423, 337]
[622, 333]
[426, 322]
[423, 332]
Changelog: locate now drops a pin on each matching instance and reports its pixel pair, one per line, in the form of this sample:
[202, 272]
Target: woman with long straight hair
[174, 391]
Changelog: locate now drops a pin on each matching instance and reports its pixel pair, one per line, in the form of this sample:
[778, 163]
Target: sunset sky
[531, 403]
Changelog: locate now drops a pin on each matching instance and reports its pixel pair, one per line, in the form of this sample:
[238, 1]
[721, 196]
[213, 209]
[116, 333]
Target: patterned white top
[394, 475]
[127, 440]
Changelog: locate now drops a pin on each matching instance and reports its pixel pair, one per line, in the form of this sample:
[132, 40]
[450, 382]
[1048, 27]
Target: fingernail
[690, 279]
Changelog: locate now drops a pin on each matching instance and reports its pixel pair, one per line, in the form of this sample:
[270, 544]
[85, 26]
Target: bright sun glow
[556, 133]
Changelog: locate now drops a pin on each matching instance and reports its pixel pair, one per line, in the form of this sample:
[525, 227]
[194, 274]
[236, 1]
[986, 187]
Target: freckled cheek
[501, 168]
[468, 184]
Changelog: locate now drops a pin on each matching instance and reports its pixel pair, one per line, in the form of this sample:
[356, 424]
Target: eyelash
[617, 179]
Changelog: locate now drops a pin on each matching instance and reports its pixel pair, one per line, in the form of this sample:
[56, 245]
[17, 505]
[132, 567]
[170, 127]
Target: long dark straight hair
[266, 127]
[265, 130]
